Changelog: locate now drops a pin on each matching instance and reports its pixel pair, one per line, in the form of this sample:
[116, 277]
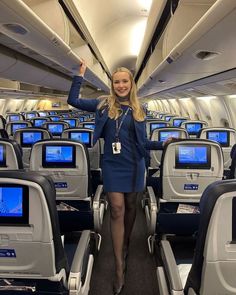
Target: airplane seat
[226, 137]
[232, 171]
[33, 257]
[85, 135]
[12, 117]
[67, 163]
[212, 269]
[193, 127]
[2, 122]
[26, 137]
[154, 124]
[187, 167]
[56, 127]
[163, 134]
[10, 155]
[12, 126]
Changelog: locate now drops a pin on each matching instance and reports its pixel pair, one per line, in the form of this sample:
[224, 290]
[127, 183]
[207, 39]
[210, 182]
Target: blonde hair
[114, 106]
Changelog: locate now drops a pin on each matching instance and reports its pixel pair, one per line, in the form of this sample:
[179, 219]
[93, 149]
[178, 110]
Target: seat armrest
[98, 208]
[74, 282]
[170, 266]
[151, 210]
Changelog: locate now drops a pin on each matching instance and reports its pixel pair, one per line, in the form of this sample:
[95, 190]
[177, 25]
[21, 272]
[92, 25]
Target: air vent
[16, 28]
[206, 55]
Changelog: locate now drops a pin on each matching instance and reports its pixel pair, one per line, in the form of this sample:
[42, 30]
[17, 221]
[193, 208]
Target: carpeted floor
[141, 271]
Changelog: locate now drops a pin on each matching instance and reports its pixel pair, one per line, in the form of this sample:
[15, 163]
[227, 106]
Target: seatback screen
[14, 117]
[193, 128]
[177, 122]
[164, 135]
[2, 156]
[30, 115]
[14, 204]
[157, 125]
[81, 136]
[71, 122]
[39, 122]
[55, 129]
[89, 125]
[58, 156]
[193, 156]
[28, 138]
[16, 126]
[220, 136]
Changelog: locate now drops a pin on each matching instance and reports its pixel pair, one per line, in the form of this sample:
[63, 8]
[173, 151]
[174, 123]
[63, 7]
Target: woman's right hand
[82, 68]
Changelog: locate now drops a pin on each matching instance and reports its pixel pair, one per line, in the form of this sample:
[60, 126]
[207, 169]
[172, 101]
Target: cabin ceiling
[109, 34]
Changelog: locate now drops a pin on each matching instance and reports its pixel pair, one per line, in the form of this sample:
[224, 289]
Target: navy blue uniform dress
[123, 172]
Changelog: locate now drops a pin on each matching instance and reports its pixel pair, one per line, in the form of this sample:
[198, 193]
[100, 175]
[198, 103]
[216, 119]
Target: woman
[120, 121]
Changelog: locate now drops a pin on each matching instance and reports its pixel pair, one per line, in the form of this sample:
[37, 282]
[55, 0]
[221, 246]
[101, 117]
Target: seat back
[215, 252]
[2, 122]
[151, 125]
[12, 117]
[10, 155]
[31, 245]
[12, 126]
[30, 115]
[38, 121]
[85, 136]
[56, 128]
[67, 163]
[73, 122]
[161, 135]
[193, 127]
[27, 137]
[89, 124]
[226, 137]
[177, 121]
[187, 167]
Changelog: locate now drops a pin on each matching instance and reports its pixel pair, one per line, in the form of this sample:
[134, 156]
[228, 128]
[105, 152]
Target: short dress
[123, 172]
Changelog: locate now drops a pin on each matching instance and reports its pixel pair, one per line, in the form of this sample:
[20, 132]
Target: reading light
[137, 36]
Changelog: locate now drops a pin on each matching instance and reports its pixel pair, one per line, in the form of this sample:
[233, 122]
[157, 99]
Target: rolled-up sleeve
[85, 104]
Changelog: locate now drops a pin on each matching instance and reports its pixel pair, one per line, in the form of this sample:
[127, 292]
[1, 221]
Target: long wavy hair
[113, 104]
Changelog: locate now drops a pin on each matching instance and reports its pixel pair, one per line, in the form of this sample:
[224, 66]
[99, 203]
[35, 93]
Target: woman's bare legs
[117, 205]
[130, 215]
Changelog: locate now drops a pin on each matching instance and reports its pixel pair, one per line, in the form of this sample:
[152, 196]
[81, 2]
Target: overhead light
[206, 97]
[232, 96]
[184, 98]
[137, 36]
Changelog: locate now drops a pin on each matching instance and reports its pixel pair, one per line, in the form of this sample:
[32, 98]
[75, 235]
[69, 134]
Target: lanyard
[118, 126]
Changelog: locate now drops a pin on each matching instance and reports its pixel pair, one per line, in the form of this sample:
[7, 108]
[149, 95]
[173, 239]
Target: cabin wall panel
[231, 106]
[213, 111]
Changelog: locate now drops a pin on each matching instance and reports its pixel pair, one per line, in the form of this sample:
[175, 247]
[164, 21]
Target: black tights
[123, 213]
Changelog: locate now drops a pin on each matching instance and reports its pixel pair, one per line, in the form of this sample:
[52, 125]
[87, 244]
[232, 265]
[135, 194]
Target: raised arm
[89, 105]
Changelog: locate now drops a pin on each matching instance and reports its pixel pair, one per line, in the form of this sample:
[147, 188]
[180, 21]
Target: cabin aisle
[141, 273]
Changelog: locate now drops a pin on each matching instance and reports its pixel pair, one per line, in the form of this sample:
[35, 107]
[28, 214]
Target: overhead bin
[46, 32]
[29, 71]
[192, 57]
[152, 22]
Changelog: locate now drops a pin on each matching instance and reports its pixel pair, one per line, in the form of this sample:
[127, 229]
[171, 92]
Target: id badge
[116, 147]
